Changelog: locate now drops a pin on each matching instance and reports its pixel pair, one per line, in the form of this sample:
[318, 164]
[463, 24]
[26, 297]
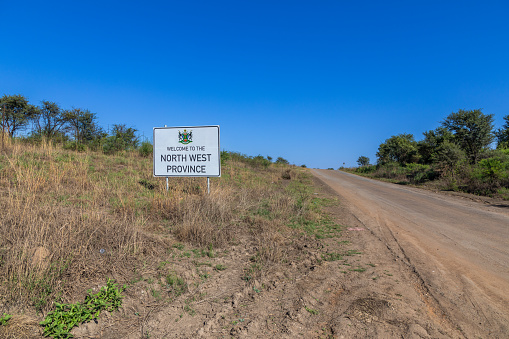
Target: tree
[363, 161]
[400, 148]
[16, 112]
[49, 120]
[448, 156]
[472, 130]
[122, 138]
[82, 124]
[281, 160]
[503, 134]
[126, 136]
[433, 139]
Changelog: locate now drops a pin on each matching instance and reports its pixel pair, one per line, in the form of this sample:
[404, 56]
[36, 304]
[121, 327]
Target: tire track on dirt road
[458, 249]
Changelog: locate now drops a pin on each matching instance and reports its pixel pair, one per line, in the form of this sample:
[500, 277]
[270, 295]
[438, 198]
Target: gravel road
[457, 246]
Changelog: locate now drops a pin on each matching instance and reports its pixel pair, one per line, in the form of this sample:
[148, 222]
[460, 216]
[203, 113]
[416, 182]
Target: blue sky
[317, 82]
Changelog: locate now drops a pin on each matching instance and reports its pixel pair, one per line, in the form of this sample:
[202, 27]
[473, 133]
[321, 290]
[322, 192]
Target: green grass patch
[220, 267]
[177, 284]
[332, 256]
[312, 311]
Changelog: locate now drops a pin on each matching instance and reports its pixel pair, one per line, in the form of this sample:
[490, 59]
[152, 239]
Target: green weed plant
[5, 318]
[65, 317]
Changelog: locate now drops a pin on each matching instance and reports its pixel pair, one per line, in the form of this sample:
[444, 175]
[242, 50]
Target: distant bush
[366, 169]
[281, 160]
[74, 146]
[391, 170]
[418, 173]
[145, 149]
[256, 162]
[363, 161]
[225, 156]
[492, 169]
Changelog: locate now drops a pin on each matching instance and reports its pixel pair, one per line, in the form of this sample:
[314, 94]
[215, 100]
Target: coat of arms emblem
[186, 137]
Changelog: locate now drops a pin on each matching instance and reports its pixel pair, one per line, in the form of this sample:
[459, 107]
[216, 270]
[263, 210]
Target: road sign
[191, 151]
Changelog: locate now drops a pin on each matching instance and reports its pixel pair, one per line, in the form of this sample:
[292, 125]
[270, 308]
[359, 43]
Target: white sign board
[187, 151]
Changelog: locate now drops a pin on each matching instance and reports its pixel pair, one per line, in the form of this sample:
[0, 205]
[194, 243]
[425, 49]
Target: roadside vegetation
[456, 156]
[80, 209]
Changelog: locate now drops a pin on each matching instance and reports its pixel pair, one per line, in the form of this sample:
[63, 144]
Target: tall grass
[70, 219]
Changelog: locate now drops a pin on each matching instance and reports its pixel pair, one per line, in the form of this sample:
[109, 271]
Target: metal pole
[208, 185]
[3, 126]
[167, 184]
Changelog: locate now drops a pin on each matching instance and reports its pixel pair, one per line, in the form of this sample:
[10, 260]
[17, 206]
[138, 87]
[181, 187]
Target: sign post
[191, 151]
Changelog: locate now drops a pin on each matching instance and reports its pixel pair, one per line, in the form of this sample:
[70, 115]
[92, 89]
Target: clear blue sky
[317, 82]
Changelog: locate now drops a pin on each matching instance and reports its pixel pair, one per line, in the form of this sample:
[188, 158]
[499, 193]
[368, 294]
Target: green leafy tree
[48, 120]
[16, 112]
[126, 136]
[448, 156]
[363, 161]
[433, 139]
[503, 134]
[472, 130]
[400, 148]
[122, 138]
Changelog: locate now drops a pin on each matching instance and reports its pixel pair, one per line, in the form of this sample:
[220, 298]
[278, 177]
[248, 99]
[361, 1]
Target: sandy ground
[458, 248]
[407, 263]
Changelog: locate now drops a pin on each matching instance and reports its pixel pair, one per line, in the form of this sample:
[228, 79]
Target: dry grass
[20, 327]
[69, 220]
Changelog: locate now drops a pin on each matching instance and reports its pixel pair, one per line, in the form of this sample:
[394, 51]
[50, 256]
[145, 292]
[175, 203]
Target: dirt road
[457, 247]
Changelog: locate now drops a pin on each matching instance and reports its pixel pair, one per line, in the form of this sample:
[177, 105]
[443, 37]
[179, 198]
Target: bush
[256, 162]
[488, 175]
[363, 161]
[225, 156]
[366, 169]
[418, 173]
[260, 161]
[492, 169]
[146, 149]
[281, 160]
[74, 146]
[391, 170]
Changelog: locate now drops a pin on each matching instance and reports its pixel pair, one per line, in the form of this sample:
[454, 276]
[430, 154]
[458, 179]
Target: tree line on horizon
[74, 128]
[458, 154]
[78, 129]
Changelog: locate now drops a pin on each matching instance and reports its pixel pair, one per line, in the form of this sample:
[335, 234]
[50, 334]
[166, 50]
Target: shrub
[418, 173]
[74, 146]
[281, 160]
[225, 156]
[363, 161]
[391, 170]
[145, 149]
[492, 169]
[255, 162]
[366, 169]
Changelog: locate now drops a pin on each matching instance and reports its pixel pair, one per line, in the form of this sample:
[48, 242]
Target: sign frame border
[187, 176]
